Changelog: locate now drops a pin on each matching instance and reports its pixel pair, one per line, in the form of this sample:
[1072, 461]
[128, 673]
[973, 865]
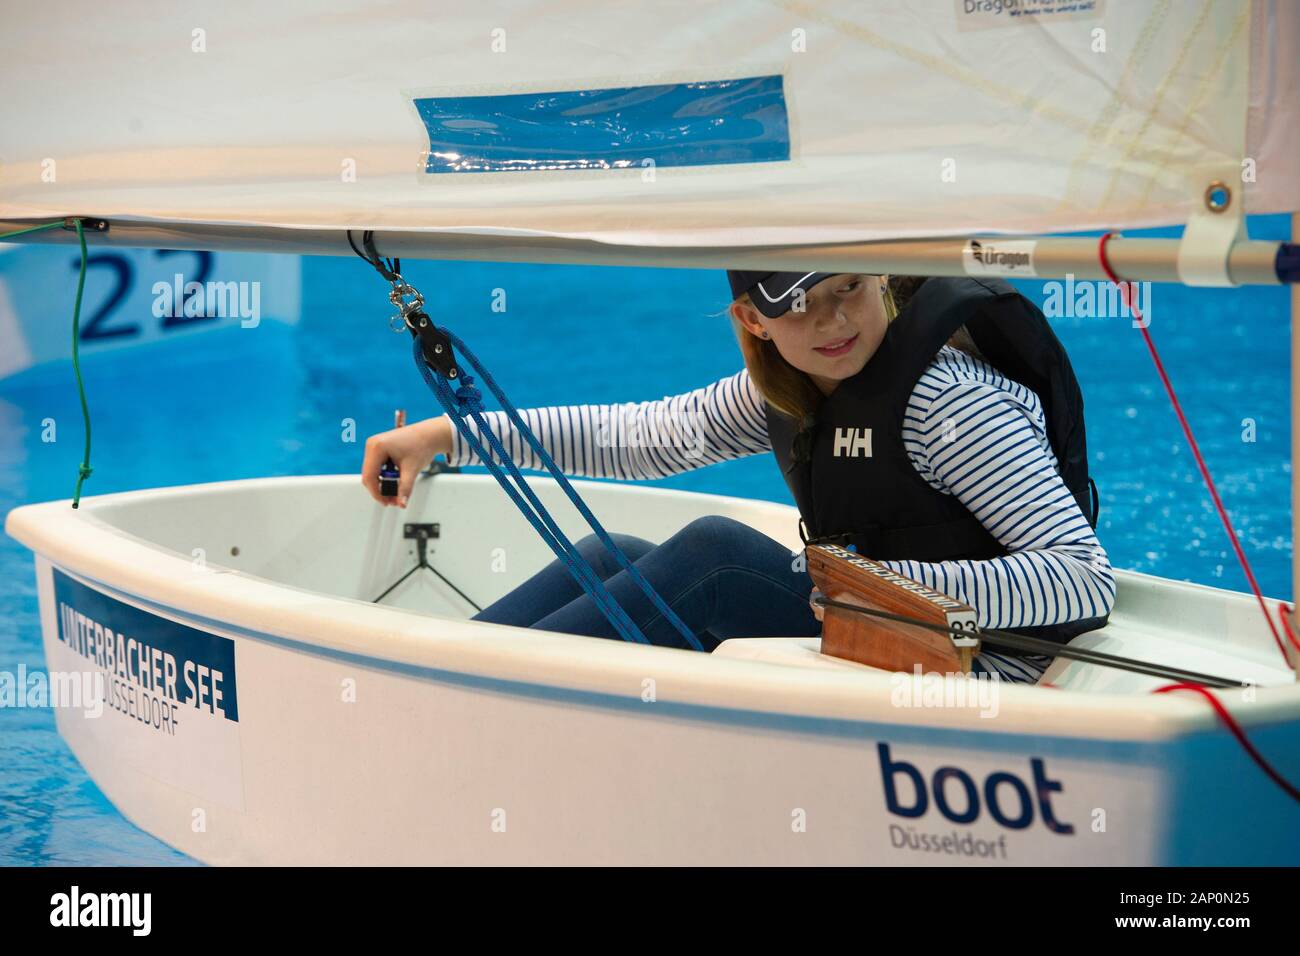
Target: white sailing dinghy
[138, 305]
[263, 708]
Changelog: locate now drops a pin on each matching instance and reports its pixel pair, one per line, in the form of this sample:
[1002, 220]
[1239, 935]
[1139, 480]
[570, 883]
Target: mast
[1295, 441]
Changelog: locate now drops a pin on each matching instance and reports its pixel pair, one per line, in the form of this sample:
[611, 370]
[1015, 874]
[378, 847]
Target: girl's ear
[891, 304]
[747, 316]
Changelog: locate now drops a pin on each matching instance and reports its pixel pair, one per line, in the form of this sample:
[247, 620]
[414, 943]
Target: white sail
[857, 119]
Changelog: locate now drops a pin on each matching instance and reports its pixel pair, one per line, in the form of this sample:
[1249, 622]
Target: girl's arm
[979, 443]
[635, 440]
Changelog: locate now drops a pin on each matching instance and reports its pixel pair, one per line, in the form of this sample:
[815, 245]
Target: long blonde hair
[788, 389]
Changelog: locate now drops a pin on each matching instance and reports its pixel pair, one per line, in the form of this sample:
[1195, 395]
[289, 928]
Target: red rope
[1237, 732]
[1284, 615]
[1126, 291]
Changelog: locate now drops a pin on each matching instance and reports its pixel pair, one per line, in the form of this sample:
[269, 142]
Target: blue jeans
[721, 577]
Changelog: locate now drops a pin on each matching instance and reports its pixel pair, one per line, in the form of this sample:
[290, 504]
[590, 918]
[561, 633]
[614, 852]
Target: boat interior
[325, 535]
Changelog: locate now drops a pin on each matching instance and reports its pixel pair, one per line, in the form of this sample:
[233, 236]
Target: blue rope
[546, 528]
[633, 571]
[468, 399]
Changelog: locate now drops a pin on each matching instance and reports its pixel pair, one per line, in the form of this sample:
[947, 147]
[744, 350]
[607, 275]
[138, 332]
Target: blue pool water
[272, 400]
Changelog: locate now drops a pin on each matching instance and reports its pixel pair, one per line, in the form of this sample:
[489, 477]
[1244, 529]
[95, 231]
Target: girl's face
[836, 334]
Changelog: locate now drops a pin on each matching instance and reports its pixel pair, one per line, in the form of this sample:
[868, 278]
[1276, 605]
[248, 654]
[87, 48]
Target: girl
[897, 437]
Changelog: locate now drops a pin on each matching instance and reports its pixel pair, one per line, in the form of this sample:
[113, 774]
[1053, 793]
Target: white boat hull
[134, 309]
[351, 733]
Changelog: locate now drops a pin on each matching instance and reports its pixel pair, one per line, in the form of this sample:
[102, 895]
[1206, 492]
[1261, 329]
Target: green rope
[23, 232]
[83, 470]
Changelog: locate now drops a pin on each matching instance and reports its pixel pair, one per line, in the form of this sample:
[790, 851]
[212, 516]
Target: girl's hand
[411, 448]
[817, 609]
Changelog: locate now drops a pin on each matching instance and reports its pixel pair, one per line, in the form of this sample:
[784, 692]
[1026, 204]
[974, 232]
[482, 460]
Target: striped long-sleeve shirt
[968, 431]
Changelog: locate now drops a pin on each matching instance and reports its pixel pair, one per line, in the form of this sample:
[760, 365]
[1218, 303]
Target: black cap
[773, 292]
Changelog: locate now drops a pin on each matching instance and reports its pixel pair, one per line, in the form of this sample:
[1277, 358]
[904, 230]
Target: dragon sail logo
[1012, 257]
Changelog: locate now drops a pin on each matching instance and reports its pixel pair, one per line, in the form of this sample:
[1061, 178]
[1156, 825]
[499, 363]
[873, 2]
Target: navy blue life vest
[847, 466]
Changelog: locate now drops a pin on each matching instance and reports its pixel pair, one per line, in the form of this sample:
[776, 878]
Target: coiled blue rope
[468, 399]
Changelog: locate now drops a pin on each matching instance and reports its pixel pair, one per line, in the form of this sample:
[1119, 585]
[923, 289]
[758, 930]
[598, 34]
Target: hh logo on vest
[851, 442]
